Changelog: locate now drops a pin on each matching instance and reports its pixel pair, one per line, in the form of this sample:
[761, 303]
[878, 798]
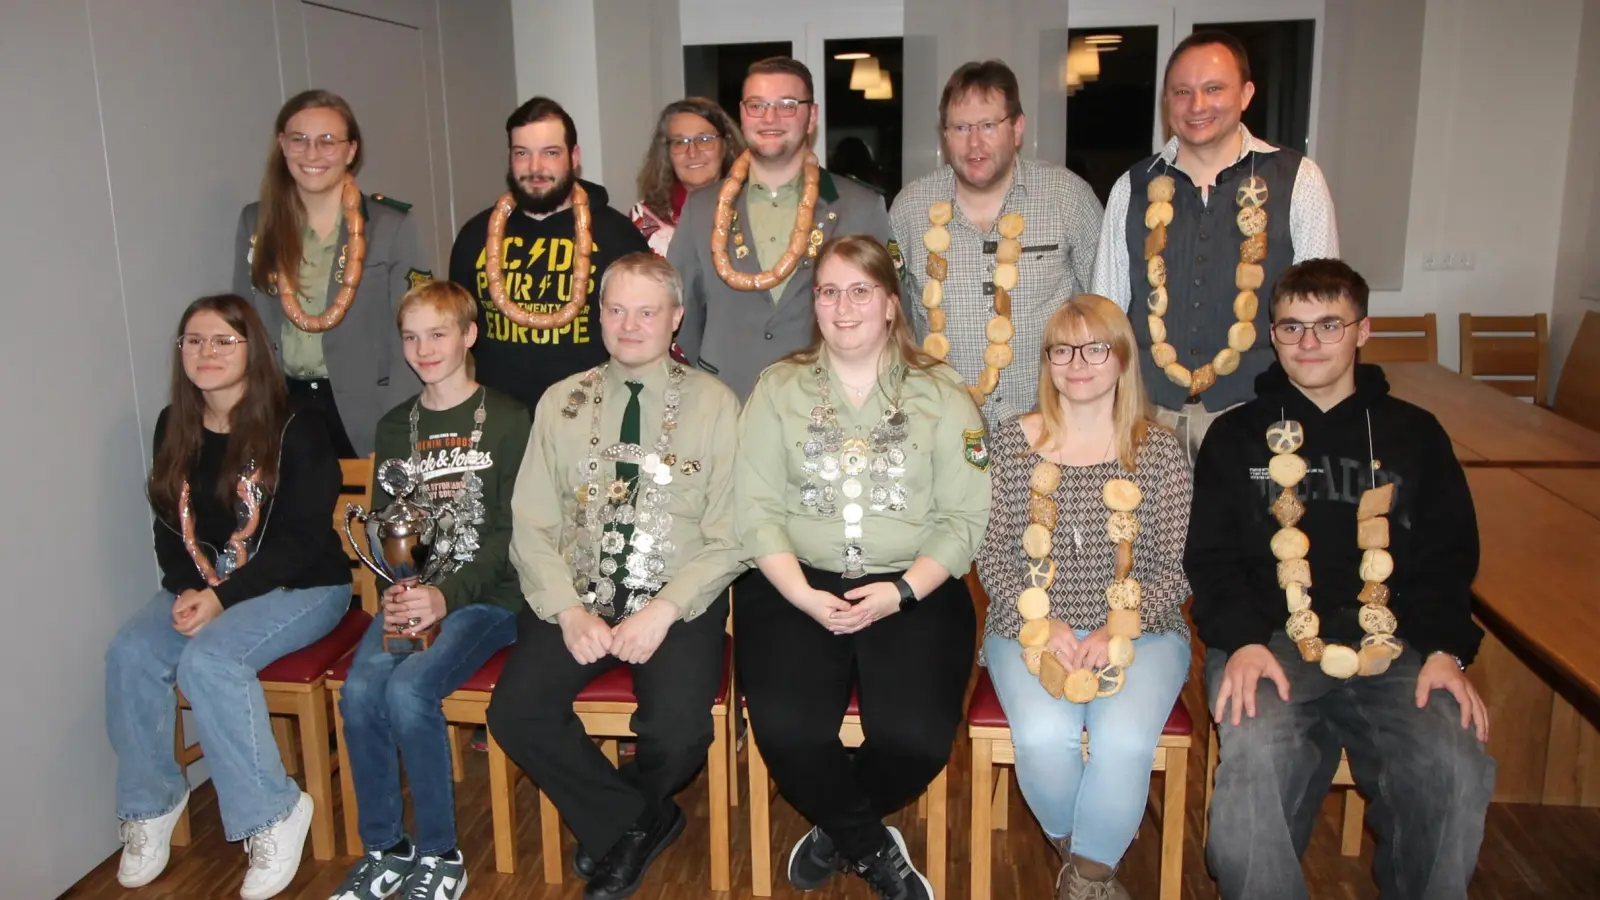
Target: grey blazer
[368, 372]
[736, 334]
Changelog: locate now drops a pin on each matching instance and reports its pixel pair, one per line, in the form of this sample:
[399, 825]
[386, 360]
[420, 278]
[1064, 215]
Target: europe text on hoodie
[536, 263]
[1433, 531]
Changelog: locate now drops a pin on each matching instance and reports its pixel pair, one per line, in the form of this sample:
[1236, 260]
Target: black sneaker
[891, 874]
[812, 861]
[620, 872]
[377, 875]
[438, 878]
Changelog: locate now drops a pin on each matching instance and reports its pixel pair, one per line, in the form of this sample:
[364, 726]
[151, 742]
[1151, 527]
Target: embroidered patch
[418, 278]
[894, 254]
[976, 454]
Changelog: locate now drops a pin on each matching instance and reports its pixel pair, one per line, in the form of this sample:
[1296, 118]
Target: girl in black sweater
[251, 570]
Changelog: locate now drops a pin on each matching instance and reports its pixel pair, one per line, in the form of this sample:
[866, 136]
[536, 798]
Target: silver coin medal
[862, 468]
[456, 519]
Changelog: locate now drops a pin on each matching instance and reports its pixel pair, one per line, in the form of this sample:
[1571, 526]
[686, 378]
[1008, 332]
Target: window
[717, 70]
[863, 110]
[1280, 65]
[1110, 76]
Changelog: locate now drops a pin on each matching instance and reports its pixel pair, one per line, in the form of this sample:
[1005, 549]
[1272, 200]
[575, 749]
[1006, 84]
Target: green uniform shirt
[946, 476]
[443, 438]
[705, 552]
[302, 350]
[771, 223]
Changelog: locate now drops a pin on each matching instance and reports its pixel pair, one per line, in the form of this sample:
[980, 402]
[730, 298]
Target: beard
[545, 202]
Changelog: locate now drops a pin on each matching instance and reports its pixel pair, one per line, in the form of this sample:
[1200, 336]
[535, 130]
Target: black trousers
[314, 397]
[531, 716]
[912, 670]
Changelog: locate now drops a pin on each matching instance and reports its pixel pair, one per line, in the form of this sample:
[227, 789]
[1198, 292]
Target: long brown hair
[1102, 320]
[255, 424]
[657, 177]
[282, 216]
[865, 253]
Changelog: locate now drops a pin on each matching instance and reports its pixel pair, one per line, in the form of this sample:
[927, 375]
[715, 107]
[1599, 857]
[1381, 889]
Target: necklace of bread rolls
[999, 331]
[803, 237]
[1121, 497]
[350, 258]
[1290, 546]
[583, 245]
[1248, 277]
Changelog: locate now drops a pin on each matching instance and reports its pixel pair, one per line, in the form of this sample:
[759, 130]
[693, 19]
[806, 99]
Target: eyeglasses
[1326, 331]
[682, 145]
[987, 129]
[325, 143]
[1093, 354]
[786, 107]
[220, 344]
[860, 293]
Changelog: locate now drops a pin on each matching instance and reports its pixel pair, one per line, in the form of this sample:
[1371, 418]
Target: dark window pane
[863, 131]
[1280, 65]
[717, 70]
[1110, 115]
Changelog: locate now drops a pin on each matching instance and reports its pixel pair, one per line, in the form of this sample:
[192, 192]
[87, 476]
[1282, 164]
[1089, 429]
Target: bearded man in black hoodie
[538, 259]
[1333, 593]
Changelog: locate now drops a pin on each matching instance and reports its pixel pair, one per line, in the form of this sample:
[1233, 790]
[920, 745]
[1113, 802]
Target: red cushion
[616, 685]
[985, 710]
[309, 663]
[488, 674]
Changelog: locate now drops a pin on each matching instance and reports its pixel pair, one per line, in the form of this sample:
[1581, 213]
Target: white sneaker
[146, 845]
[275, 853]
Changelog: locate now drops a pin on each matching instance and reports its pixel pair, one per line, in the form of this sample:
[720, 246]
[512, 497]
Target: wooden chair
[991, 746]
[1578, 388]
[1402, 339]
[933, 806]
[1513, 350]
[1355, 808]
[296, 685]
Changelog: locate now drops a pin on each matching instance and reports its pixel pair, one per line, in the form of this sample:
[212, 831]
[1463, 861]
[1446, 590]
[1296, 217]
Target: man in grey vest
[758, 308]
[1197, 230]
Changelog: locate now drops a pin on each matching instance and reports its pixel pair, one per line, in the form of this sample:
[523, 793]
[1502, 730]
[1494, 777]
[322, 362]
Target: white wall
[557, 56]
[1577, 280]
[134, 135]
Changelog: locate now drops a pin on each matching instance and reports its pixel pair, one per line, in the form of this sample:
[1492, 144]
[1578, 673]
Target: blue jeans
[391, 707]
[1100, 804]
[1428, 779]
[217, 671]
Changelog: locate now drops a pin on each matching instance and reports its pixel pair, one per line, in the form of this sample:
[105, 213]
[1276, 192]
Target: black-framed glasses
[1328, 330]
[1093, 354]
[220, 344]
[786, 107]
[987, 128]
[325, 143]
[680, 146]
[860, 293]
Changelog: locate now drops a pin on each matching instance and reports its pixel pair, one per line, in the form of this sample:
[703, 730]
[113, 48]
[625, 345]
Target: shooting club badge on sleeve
[976, 454]
[417, 278]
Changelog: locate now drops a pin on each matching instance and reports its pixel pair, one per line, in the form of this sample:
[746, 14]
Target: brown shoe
[1085, 879]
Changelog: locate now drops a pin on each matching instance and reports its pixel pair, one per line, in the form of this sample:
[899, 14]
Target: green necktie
[628, 473]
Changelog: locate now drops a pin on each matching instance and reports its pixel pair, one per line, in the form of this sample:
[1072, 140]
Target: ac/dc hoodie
[1433, 530]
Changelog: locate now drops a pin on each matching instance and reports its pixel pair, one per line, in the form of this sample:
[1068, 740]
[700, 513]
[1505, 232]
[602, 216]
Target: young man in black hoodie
[537, 257]
[1266, 562]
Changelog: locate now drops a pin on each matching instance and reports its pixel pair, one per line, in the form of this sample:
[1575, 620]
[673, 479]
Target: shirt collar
[1249, 144]
[309, 237]
[653, 377]
[787, 189]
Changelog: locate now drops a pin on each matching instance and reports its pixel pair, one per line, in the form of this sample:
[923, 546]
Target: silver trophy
[409, 542]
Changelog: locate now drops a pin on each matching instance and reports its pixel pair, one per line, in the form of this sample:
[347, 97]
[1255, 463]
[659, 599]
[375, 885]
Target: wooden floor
[1528, 852]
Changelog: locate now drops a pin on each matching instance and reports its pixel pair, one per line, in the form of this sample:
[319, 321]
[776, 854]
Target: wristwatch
[1453, 658]
[908, 597]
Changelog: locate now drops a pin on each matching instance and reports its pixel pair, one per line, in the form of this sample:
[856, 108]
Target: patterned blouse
[1085, 563]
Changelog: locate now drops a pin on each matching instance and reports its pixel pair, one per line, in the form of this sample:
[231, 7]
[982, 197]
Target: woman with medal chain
[251, 570]
[861, 487]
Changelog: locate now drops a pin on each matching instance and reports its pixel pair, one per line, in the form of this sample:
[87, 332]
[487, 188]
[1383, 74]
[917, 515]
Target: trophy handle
[356, 512]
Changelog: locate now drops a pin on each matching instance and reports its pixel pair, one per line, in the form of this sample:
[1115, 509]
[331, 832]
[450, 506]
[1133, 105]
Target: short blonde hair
[1104, 321]
[446, 297]
[649, 266]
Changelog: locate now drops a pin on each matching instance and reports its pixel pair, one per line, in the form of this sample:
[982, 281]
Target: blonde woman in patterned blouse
[1092, 421]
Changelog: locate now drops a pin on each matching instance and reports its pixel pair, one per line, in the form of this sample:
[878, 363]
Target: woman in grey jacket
[349, 258]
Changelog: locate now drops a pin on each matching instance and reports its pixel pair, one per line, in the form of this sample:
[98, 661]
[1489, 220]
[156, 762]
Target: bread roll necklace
[1290, 546]
[1008, 253]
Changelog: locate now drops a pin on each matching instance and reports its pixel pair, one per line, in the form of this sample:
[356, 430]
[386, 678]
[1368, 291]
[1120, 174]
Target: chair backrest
[356, 487]
[1513, 350]
[1402, 339]
[1578, 389]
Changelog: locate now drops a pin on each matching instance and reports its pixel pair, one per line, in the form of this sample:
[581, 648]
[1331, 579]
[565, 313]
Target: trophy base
[410, 643]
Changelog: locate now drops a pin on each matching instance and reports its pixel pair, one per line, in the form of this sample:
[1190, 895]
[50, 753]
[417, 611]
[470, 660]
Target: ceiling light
[864, 74]
[883, 90]
[853, 55]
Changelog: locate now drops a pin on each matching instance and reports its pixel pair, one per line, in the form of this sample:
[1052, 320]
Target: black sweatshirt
[537, 268]
[294, 545]
[1433, 529]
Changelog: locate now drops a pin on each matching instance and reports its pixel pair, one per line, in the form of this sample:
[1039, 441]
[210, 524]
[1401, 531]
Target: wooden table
[1579, 487]
[1495, 428]
[1540, 561]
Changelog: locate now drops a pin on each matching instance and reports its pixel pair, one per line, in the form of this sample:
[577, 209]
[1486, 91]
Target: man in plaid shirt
[981, 120]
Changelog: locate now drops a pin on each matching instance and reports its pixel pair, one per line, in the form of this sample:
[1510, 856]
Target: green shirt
[444, 438]
[302, 350]
[704, 557]
[946, 477]
[772, 223]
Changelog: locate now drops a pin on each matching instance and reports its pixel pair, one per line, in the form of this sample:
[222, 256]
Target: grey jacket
[368, 372]
[736, 334]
